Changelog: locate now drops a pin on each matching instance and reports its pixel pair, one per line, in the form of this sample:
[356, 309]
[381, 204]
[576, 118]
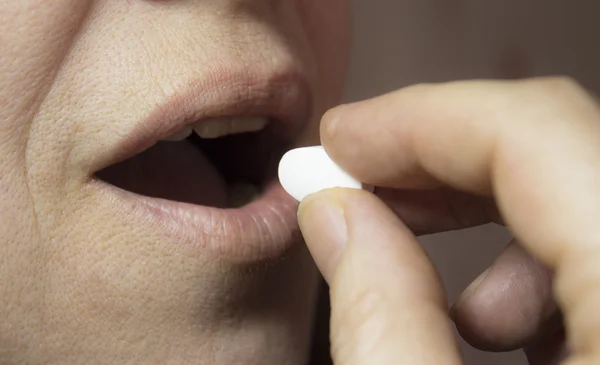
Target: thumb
[387, 303]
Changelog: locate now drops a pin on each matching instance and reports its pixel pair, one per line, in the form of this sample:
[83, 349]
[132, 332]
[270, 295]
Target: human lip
[262, 229]
[283, 97]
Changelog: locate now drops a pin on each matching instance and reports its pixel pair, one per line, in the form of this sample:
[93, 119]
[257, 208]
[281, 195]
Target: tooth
[212, 128]
[181, 135]
[241, 194]
[241, 125]
[219, 127]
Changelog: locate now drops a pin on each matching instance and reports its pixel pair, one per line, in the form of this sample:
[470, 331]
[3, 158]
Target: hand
[533, 148]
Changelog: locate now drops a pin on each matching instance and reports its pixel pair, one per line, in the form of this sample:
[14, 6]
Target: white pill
[307, 170]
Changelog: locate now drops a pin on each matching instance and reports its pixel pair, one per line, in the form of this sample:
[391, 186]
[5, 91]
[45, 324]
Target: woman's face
[119, 249]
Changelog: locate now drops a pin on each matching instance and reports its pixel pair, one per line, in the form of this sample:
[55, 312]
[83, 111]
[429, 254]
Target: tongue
[170, 170]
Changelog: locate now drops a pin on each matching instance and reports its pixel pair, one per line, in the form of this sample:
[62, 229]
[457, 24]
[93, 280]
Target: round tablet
[307, 170]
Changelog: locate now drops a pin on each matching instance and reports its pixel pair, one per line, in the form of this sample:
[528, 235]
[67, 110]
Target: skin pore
[84, 280]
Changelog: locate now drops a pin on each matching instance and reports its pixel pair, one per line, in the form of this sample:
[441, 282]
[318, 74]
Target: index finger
[534, 145]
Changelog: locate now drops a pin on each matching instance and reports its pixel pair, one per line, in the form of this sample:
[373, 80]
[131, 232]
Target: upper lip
[284, 98]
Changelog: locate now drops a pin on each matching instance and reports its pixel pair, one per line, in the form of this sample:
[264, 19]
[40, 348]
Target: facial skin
[82, 279]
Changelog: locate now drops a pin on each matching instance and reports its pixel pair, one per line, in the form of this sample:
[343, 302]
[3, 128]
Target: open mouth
[201, 168]
[220, 162]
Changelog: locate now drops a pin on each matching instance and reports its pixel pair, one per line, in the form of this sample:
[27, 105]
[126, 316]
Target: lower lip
[264, 229]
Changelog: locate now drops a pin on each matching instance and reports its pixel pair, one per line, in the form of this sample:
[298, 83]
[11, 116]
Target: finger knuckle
[560, 83]
[557, 91]
[553, 105]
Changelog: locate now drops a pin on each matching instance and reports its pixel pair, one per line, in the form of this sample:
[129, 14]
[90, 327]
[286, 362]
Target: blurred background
[402, 42]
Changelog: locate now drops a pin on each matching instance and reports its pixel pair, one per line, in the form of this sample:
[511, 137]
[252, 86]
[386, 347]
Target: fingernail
[322, 222]
[469, 292]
